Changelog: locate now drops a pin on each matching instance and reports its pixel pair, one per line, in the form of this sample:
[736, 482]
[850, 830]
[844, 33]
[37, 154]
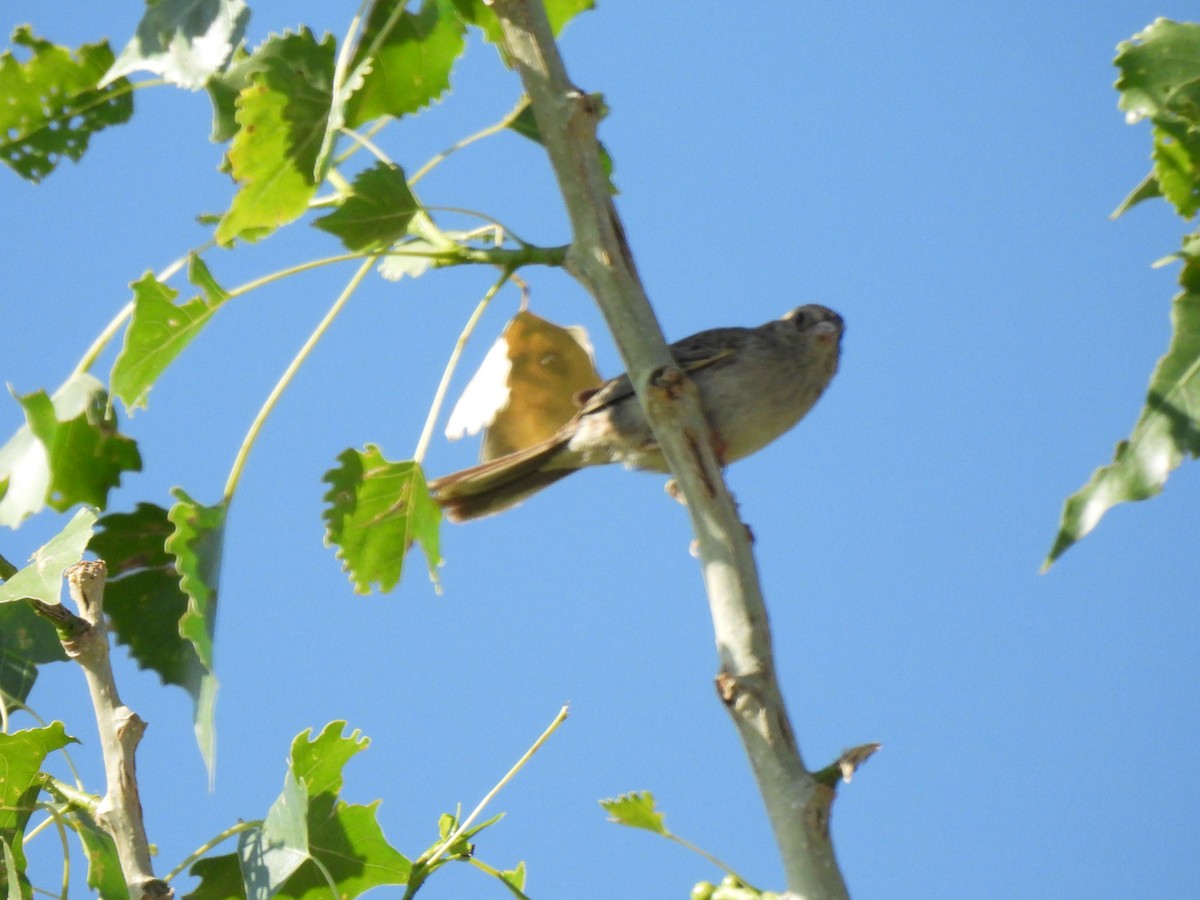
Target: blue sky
[941, 175]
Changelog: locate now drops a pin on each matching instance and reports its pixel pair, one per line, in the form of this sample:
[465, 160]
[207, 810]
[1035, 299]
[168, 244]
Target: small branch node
[844, 767]
[86, 581]
[726, 688]
[73, 632]
[130, 727]
[155, 889]
[669, 381]
[741, 693]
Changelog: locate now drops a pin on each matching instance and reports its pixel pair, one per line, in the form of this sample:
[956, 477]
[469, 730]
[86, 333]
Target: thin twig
[367, 144]
[494, 128]
[289, 373]
[210, 844]
[439, 396]
[509, 776]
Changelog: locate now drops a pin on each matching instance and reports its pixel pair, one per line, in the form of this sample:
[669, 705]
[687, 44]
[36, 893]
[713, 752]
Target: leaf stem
[380, 37]
[439, 396]
[346, 50]
[483, 217]
[55, 816]
[328, 876]
[289, 373]
[101, 342]
[498, 875]
[71, 796]
[210, 844]
[685, 843]
[40, 826]
[372, 130]
[494, 128]
[289, 271]
[520, 764]
[370, 146]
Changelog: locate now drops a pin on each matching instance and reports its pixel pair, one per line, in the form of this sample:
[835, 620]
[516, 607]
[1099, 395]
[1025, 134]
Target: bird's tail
[500, 483]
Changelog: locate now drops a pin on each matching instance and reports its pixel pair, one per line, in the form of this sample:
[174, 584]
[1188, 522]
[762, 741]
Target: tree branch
[120, 810]
[599, 257]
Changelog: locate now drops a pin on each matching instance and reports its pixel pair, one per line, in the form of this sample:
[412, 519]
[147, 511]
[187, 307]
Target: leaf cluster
[310, 844]
[1159, 82]
[285, 111]
[294, 116]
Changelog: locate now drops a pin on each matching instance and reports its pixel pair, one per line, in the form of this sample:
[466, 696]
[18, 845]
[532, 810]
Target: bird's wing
[691, 354]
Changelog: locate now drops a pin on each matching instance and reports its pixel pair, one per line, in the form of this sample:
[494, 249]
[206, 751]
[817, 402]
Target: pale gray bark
[798, 804]
[120, 810]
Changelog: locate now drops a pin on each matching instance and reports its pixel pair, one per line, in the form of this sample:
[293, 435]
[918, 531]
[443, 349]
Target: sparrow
[754, 384]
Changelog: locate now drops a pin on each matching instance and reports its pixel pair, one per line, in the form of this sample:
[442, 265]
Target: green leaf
[319, 761]
[196, 545]
[1166, 430]
[514, 880]
[1147, 189]
[1160, 80]
[26, 639]
[21, 757]
[26, 642]
[224, 87]
[376, 510]
[349, 843]
[270, 854]
[160, 330]
[1177, 166]
[377, 212]
[143, 597]
[42, 578]
[220, 878]
[636, 810]
[731, 888]
[69, 451]
[479, 14]
[283, 114]
[1160, 72]
[345, 839]
[11, 872]
[412, 66]
[104, 865]
[50, 106]
[183, 41]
